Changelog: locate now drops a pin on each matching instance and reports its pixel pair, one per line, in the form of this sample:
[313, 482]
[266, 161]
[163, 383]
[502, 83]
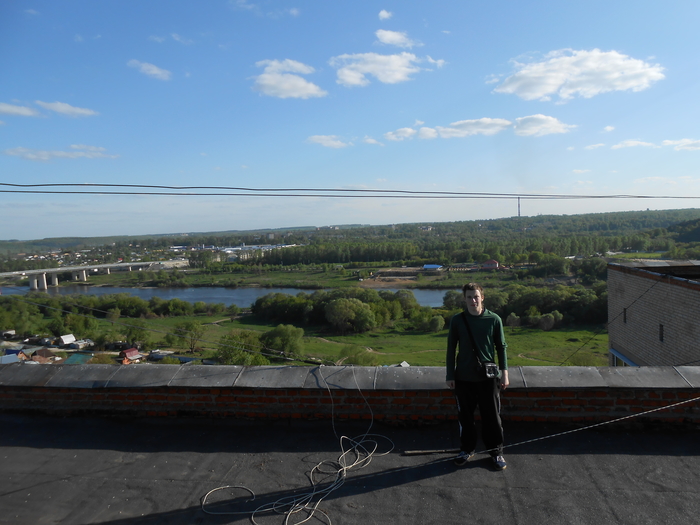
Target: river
[241, 297]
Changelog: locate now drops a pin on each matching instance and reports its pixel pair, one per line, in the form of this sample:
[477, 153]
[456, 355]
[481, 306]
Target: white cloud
[18, 111]
[328, 141]
[278, 80]
[78, 39]
[67, 109]
[568, 72]
[439, 63]
[427, 133]
[79, 151]
[633, 144]
[158, 39]
[150, 70]
[396, 38]
[539, 125]
[581, 171]
[385, 15]
[608, 129]
[389, 69]
[482, 126]
[683, 144]
[243, 4]
[418, 123]
[400, 134]
[594, 146]
[656, 180]
[370, 140]
[182, 40]
[294, 11]
[31, 11]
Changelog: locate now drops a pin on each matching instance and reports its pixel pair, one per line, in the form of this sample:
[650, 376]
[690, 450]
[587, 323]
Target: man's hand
[504, 379]
[450, 385]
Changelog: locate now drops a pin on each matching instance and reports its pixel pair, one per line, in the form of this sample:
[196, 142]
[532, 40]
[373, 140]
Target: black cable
[312, 192]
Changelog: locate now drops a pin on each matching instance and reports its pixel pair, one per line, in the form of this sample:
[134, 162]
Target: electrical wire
[303, 192]
[355, 453]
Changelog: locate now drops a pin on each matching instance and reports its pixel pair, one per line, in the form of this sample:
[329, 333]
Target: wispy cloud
[656, 180]
[19, 111]
[594, 146]
[328, 141]
[396, 38]
[581, 171]
[388, 69]
[567, 73]
[400, 134]
[385, 15]
[634, 144]
[683, 144]
[150, 70]
[77, 151]
[67, 109]
[608, 129]
[159, 39]
[280, 78]
[426, 133]
[370, 140]
[466, 128]
[181, 39]
[540, 125]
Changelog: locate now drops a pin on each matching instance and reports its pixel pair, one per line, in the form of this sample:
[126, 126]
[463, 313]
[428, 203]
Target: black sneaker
[499, 462]
[463, 457]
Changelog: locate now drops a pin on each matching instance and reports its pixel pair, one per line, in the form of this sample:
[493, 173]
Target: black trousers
[485, 395]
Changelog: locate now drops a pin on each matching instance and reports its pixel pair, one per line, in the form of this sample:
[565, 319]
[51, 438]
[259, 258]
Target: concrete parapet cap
[334, 377]
[691, 374]
[410, 378]
[21, 374]
[560, 377]
[214, 376]
[643, 377]
[92, 376]
[141, 376]
[342, 377]
[272, 377]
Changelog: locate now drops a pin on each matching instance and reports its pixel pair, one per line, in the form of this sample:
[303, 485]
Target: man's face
[473, 299]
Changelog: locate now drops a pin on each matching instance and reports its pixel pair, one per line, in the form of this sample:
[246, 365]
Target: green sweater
[487, 330]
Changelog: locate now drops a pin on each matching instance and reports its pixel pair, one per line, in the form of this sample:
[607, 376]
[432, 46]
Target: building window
[661, 333]
[624, 315]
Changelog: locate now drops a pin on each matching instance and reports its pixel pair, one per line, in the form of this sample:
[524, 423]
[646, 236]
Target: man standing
[472, 388]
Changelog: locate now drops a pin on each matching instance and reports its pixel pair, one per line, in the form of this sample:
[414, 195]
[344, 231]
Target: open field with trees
[552, 294]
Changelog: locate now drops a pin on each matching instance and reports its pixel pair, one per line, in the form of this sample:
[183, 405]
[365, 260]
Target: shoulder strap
[471, 337]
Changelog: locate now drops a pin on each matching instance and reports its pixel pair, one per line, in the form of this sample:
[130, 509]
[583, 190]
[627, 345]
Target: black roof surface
[123, 471]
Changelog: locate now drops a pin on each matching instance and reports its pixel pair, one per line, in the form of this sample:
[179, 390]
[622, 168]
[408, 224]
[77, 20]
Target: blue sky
[501, 97]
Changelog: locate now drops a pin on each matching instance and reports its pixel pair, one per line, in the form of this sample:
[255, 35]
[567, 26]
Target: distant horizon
[352, 225]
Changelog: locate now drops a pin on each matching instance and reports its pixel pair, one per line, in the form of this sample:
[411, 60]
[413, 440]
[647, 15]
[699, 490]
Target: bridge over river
[38, 278]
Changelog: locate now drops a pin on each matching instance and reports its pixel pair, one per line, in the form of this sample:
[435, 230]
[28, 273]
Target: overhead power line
[363, 193]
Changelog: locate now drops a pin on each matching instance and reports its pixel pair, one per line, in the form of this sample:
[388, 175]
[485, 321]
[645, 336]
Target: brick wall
[391, 394]
[653, 318]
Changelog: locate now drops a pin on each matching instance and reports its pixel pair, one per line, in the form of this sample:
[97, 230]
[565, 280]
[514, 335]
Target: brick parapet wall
[411, 395]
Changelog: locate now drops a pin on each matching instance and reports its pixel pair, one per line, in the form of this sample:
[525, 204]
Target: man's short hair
[473, 286]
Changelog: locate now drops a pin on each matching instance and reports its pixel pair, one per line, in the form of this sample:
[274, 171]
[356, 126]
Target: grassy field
[526, 347]
[310, 279]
